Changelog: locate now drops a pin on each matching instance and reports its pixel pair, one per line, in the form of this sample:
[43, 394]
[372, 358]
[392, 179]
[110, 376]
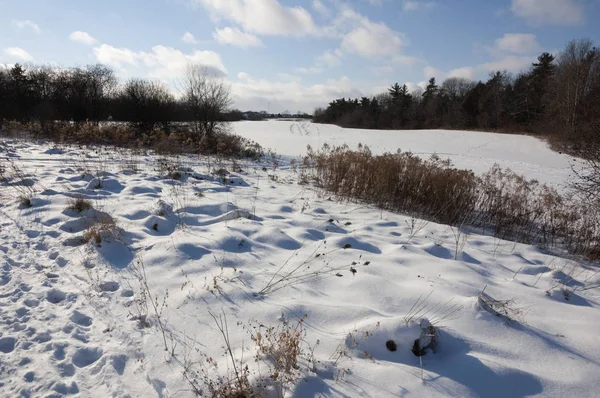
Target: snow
[70, 310]
[471, 150]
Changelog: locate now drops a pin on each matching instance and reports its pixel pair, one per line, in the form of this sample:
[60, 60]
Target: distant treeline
[559, 96]
[93, 94]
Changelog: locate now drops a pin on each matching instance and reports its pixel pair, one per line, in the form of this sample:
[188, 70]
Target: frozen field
[260, 249]
[467, 149]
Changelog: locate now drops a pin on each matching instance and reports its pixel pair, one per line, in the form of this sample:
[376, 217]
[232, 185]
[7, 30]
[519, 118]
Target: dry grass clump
[279, 349]
[507, 309]
[398, 182]
[205, 380]
[100, 227]
[500, 202]
[282, 347]
[79, 204]
[178, 138]
[25, 201]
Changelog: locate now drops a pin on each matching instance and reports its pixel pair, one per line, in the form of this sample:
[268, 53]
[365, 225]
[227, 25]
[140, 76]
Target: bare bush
[100, 227]
[79, 204]
[203, 376]
[282, 347]
[500, 202]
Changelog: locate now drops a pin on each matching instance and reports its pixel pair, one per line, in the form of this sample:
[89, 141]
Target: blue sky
[295, 55]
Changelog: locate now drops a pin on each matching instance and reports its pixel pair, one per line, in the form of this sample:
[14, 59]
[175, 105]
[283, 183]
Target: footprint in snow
[86, 356]
[55, 296]
[7, 344]
[81, 319]
[109, 286]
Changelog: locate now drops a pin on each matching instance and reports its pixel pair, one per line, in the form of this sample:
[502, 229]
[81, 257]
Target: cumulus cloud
[18, 53]
[330, 58]
[265, 17]
[235, 37]
[549, 12]
[289, 94]
[82, 37]
[189, 38]
[113, 56]
[372, 39]
[518, 43]
[26, 24]
[162, 62]
[359, 35]
[510, 63]
[319, 7]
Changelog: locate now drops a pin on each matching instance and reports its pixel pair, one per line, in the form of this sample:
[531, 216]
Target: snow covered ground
[209, 243]
[472, 150]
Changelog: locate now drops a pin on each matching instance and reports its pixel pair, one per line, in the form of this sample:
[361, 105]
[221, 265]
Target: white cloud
[18, 53]
[549, 12]
[22, 24]
[413, 5]
[330, 58]
[430, 71]
[162, 62]
[511, 63]
[265, 17]
[518, 43]
[291, 95]
[416, 87]
[114, 56]
[82, 37]
[372, 39]
[320, 7]
[309, 71]
[189, 38]
[466, 72]
[235, 37]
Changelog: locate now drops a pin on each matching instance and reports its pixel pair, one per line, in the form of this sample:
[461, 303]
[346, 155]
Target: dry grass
[500, 202]
[79, 204]
[507, 309]
[178, 139]
[205, 380]
[100, 227]
[25, 201]
[282, 347]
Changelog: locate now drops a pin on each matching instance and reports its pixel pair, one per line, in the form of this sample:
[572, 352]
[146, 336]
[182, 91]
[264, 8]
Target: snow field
[256, 246]
[477, 151]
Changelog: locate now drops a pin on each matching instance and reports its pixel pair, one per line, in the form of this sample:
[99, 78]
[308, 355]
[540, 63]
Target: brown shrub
[178, 139]
[79, 204]
[99, 228]
[500, 201]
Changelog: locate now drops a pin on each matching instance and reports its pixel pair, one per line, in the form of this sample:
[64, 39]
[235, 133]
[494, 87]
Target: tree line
[556, 95]
[92, 94]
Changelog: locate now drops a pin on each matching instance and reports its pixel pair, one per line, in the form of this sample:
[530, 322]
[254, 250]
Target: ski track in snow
[209, 244]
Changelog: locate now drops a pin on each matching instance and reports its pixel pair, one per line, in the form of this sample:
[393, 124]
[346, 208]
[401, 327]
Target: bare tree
[457, 87]
[207, 97]
[577, 71]
[145, 104]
